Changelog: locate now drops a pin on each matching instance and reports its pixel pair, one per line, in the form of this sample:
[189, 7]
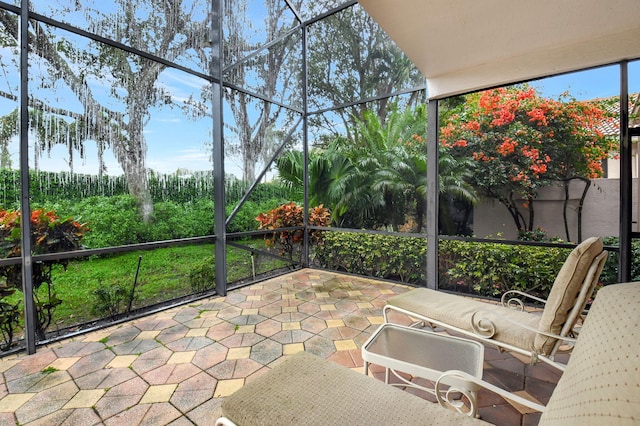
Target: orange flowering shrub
[520, 142]
[291, 216]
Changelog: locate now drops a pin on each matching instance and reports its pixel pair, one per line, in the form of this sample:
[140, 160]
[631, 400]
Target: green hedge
[610, 271]
[486, 269]
[381, 256]
[490, 269]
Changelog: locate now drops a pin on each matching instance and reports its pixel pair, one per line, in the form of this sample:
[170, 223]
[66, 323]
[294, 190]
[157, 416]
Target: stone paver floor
[175, 367]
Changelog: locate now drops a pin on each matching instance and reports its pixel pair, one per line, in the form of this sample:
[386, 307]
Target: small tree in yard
[49, 234]
[521, 142]
[289, 216]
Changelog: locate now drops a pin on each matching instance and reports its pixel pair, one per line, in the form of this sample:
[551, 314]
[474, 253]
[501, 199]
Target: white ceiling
[466, 45]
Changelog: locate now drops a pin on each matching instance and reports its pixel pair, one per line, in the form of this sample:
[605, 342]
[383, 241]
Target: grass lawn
[164, 275]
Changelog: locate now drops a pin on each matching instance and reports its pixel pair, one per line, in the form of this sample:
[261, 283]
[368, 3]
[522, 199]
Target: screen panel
[539, 158]
[359, 63]
[177, 31]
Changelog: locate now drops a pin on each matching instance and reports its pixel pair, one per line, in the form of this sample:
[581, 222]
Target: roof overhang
[466, 45]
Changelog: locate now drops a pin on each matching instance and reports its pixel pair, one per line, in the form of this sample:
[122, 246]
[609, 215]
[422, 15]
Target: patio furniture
[425, 354]
[598, 387]
[531, 334]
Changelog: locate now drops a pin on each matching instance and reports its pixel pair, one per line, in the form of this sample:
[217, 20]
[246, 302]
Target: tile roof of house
[612, 127]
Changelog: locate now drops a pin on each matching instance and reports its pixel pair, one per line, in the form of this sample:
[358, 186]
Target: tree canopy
[520, 142]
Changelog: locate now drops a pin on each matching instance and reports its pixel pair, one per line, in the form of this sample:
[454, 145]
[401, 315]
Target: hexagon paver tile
[242, 339]
[269, 311]
[170, 374]
[209, 356]
[266, 351]
[105, 378]
[220, 331]
[91, 363]
[268, 328]
[152, 359]
[47, 402]
[39, 382]
[132, 416]
[189, 344]
[154, 322]
[193, 392]
[135, 346]
[230, 312]
[123, 334]
[30, 365]
[211, 347]
[292, 336]
[313, 325]
[320, 346]
[77, 349]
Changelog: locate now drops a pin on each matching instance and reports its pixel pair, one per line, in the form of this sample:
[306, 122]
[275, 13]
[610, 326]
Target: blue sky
[590, 84]
[177, 142]
[174, 141]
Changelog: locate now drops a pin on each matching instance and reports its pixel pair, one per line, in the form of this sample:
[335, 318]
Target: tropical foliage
[291, 215]
[378, 180]
[49, 234]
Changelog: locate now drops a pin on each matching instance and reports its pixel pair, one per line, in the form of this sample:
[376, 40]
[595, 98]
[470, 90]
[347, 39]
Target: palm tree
[378, 179]
[453, 186]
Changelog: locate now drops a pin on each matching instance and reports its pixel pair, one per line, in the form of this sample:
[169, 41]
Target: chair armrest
[448, 398]
[484, 327]
[509, 299]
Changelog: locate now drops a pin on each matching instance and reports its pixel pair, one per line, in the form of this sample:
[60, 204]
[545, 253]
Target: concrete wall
[600, 214]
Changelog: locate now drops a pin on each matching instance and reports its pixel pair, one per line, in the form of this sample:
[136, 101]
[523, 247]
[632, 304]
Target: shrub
[203, 275]
[114, 220]
[291, 215]
[610, 272]
[490, 269]
[245, 220]
[382, 256]
[49, 234]
[487, 269]
[171, 220]
[111, 300]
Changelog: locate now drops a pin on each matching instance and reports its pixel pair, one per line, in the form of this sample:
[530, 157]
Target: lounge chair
[599, 386]
[531, 334]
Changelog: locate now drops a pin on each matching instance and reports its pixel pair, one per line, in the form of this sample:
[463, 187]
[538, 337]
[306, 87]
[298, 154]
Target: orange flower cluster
[507, 147]
[519, 138]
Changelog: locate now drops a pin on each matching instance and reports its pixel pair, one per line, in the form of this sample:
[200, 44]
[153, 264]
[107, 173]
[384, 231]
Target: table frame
[425, 354]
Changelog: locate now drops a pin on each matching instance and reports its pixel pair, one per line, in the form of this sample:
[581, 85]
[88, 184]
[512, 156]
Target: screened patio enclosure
[158, 145]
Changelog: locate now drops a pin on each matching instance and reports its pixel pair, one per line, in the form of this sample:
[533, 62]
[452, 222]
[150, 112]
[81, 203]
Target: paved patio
[175, 367]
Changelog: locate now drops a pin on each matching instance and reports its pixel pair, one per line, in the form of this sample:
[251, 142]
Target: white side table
[424, 354]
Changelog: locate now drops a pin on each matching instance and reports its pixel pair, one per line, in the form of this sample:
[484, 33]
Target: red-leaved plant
[49, 234]
[291, 215]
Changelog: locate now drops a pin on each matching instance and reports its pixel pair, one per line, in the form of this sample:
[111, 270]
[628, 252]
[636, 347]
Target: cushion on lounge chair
[307, 390]
[564, 291]
[601, 384]
[458, 311]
